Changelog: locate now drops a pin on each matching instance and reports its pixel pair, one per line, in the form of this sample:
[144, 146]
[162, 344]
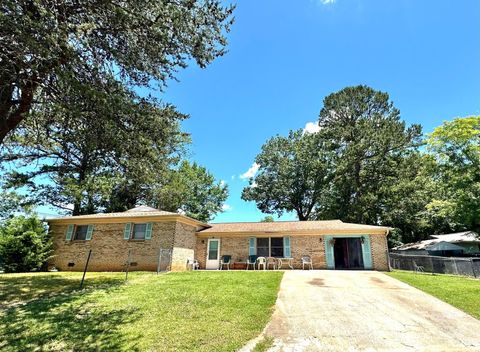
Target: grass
[459, 291]
[264, 344]
[201, 311]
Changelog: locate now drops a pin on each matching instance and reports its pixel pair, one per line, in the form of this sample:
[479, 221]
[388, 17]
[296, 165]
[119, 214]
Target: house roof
[140, 213]
[292, 227]
[459, 237]
[466, 236]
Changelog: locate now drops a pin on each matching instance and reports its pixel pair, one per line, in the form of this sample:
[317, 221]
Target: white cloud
[223, 183]
[326, 2]
[226, 207]
[250, 172]
[253, 185]
[233, 177]
[311, 127]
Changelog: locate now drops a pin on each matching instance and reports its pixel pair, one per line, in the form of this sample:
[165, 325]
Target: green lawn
[206, 311]
[459, 291]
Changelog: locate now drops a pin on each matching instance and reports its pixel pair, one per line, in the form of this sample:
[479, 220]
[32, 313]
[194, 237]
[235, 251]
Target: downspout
[388, 252]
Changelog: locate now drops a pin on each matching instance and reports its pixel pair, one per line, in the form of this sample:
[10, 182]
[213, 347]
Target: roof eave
[292, 232]
[126, 219]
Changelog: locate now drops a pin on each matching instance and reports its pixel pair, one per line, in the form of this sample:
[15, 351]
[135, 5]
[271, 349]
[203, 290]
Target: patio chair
[307, 260]
[251, 260]
[225, 260]
[262, 261]
[418, 268]
[193, 263]
[271, 261]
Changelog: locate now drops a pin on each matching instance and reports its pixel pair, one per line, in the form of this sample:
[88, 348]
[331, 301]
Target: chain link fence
[435, 264]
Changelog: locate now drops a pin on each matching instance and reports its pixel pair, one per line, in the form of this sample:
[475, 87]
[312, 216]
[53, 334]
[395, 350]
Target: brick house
[148, 239]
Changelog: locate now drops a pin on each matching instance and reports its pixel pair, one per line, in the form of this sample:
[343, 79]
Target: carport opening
[348, 253]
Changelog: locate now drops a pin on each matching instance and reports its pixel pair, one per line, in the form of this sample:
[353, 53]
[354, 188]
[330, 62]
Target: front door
[213, 254]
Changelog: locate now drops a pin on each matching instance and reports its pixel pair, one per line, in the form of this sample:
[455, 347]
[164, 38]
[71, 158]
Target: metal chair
[262, 261]
[251, 260]
[271, 261]
[306, 259]
[225, 260]
[418, 268]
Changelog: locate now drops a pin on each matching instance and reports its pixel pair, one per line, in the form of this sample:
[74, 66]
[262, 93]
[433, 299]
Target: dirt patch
[378, 281]
[317, 282]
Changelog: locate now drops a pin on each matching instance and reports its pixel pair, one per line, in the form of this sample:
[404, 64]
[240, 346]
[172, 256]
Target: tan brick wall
[110, 250]
[313, 246]
[183, 246]
[379, 252]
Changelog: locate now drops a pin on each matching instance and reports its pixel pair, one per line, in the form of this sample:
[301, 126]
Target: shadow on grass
[22, 288]
[71, 321]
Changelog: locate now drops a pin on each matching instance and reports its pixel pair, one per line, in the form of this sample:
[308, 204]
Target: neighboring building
[143, 236]
[453, 244]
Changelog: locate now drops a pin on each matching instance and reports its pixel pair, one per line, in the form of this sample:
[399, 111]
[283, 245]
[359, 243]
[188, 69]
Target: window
[263, 245]
[81, 232]
[276, 247]
[139, 231]
[270, 247]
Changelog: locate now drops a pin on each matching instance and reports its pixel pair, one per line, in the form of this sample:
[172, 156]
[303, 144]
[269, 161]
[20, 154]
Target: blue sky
[286, 56]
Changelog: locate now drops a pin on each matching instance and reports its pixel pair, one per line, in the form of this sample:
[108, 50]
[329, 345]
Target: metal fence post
[159, 260]
[128, 265]
[85, 269]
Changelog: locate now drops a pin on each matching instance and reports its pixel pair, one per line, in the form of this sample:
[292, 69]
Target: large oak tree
[49, 44]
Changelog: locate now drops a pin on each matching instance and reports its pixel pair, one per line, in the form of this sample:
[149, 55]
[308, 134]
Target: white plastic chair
[262, 261]
[271, 261]
[306, 259]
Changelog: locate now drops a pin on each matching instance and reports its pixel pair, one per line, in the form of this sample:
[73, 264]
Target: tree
[456, 147]
[49, 45]
[192, 190]
[24, 244]
[369, 141]
[87, 151]
[267, 218]
[294, 175]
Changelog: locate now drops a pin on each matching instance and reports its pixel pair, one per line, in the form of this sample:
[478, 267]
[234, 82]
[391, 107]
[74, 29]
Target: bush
[24, 244]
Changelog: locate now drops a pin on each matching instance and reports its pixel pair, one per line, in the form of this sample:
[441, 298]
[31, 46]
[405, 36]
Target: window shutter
[148, 231]
[89, 233]
[68, 235]
[286, 247]
[127, 231]
[329, 252]
[367, 252]
[251, 246]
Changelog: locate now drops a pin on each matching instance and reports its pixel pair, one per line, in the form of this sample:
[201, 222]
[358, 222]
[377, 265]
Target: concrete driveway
[365, 311]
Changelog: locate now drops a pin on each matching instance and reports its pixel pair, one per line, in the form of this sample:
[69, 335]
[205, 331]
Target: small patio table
[288, 261]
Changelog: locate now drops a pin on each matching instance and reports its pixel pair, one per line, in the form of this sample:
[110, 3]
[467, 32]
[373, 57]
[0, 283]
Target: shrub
[24, 244]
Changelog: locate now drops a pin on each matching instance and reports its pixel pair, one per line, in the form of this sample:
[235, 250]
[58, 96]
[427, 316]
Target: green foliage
[294, 175]
[347, 170]
[12, 203]
[370, 141]
[192, 190]
[24, 244]
[95, 147]
[267, 218]
[456, 147]
[48, 46]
